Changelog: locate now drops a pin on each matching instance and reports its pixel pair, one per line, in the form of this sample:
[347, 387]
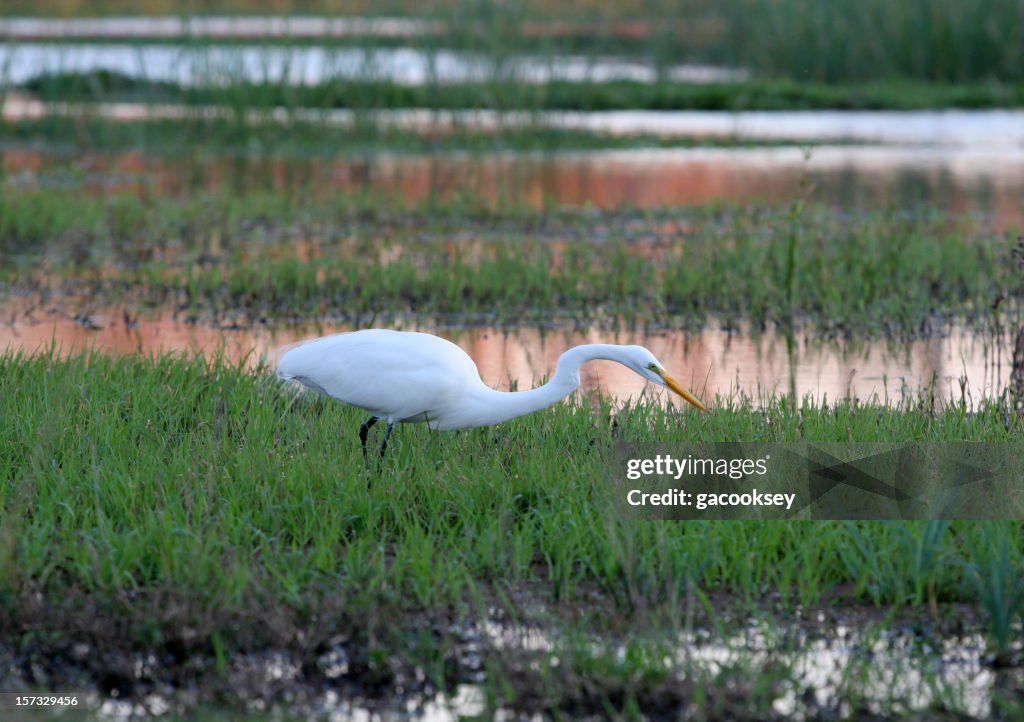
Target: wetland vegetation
[943, 41]
[187, 513]
[185, 536]
[508, 94]
[274, 257]
[788, 55]
[196, 530]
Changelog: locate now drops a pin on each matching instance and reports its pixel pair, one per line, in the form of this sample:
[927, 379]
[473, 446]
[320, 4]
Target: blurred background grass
[926, 40]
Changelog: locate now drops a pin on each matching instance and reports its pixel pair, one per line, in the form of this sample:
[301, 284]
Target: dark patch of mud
[153, 654]
[187, 653]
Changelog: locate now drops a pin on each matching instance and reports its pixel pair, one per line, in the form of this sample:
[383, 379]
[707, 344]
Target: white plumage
[401, 376]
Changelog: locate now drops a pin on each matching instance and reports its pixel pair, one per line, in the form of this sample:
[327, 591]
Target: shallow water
[961, 128]
[988, 182]
[886, 671]
[1001, 129]
[206, 65]
[710, 363]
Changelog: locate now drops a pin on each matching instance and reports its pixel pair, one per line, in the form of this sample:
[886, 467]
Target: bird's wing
[390, 374]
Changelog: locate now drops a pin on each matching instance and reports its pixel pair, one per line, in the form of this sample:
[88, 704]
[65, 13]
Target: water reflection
[987, 181]
[213, 65]
[885, 670]
[712, 362]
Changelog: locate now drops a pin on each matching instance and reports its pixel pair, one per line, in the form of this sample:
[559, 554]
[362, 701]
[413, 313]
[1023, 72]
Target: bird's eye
[652, 366]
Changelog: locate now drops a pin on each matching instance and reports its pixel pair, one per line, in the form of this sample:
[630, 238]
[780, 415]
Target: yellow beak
[674, 385]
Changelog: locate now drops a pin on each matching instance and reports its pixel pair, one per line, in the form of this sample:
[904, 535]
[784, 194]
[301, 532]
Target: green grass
[830, 41]
[509, 93]
[279, 256]
[301, 140]
[187, 506]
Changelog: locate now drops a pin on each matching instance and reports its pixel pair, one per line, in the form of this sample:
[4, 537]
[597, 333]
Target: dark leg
[363, 431]
[387, 435]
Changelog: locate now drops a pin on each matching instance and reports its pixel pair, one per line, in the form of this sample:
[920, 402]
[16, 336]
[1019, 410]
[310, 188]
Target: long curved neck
[497, 406]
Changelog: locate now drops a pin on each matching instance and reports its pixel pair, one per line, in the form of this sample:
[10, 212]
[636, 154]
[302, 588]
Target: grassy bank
[189, 510]
[283, 256]
[507, 92]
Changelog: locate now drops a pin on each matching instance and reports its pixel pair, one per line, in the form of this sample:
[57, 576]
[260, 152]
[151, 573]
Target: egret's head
[643, 362]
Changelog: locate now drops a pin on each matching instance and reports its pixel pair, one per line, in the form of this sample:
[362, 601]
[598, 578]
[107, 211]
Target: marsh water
[962, 162]
[885, 670]
[952, 367]
[985, 181]
[968, 163]
[981, 178]
[192, 65]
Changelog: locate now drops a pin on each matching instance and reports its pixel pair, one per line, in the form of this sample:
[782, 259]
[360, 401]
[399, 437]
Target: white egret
[402, 376]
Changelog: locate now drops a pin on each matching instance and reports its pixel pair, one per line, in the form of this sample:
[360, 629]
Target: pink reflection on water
[710, 363]
[984, 179]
